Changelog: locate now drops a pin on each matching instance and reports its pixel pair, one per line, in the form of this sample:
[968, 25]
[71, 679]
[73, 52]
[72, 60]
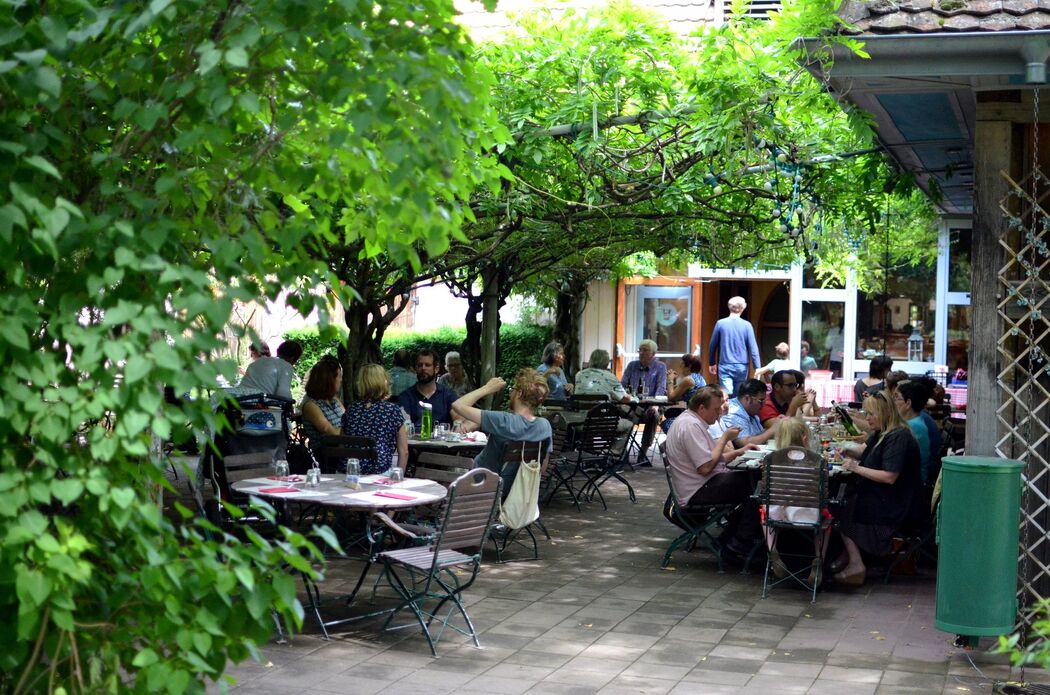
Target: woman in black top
[879, 367]
[888, 477]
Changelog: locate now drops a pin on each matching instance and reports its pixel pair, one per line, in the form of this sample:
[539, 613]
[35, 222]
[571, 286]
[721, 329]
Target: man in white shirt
[272, 375]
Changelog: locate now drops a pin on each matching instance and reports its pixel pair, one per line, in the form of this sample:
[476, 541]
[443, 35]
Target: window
[663, 314]
[959, 247]
[822, 327]
[899, 321]
[958, 337]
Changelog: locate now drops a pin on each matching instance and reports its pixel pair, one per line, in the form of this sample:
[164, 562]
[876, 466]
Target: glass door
[663, 314]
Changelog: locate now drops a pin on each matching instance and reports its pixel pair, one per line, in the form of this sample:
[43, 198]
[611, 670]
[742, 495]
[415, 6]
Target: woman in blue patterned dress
[321, 407]
[376, 417]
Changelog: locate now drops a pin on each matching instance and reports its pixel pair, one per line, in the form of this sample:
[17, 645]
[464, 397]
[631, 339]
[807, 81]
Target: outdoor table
[373, 496]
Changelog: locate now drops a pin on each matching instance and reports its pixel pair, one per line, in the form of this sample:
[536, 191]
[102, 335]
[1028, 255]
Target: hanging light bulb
[768, 186]
[782, 157]
[718, 190]
[776, 212]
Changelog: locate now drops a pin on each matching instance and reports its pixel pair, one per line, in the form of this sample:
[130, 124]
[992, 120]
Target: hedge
[521, 345]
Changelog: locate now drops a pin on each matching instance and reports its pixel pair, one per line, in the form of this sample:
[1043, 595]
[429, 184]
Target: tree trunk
[490, 297]
[471, 348]
[362, 345]
[568, 313]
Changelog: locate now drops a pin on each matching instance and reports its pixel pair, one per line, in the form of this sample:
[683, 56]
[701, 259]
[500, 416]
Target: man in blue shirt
[652, 373]
[427, 390]
[743, 413]
[732, 344]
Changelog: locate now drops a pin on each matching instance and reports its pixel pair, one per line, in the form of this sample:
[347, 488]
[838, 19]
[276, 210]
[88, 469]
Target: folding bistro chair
[502, 534]
[558, 473]
[425, 574]
[595, 459]
[795, 488]
[696, 523]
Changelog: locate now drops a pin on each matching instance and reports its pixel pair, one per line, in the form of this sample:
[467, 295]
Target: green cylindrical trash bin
[977, 527]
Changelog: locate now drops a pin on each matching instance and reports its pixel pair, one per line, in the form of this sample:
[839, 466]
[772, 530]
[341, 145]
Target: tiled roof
[949, 16]
[684, 16]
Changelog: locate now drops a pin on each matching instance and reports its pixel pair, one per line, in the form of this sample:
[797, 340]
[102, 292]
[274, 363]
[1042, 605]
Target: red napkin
[278, 489]
[394, 495]
[382, 481]
[286, 478]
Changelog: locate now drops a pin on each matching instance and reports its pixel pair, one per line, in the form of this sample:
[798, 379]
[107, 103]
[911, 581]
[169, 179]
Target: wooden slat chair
[696, 525]
[501, 535]
[339, 447]
[558, 473]
[594, 457]
[795, 477]
[421, 575]
[229, 469]
[441, 468]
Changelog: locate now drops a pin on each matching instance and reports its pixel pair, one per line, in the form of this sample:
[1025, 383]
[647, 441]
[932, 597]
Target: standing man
[427, 390]
[652, 373]
[732, 344]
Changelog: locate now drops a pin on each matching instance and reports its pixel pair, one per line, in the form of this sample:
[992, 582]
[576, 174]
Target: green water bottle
[426, 421]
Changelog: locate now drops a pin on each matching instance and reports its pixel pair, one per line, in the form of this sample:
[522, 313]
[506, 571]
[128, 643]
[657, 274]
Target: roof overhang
[920, 90]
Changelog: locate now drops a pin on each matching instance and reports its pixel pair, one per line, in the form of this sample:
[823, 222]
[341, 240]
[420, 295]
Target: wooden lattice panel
[1024, 377]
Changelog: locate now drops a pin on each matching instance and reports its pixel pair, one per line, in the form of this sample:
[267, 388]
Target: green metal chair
[696, 524]
[423, 575]
[795, 477]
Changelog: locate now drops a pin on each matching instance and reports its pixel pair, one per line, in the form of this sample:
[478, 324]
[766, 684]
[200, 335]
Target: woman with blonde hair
[887, 468]
[376, 417]
[520, 424]
[792, 431]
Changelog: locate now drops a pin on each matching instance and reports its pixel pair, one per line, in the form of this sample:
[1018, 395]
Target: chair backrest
[441, 468]
[338, 447]
[598, 432]
[234, 467]
[586, 401]
[559, 435]
[795, 477]
[667, 471]
[516, 452]
[469, 511]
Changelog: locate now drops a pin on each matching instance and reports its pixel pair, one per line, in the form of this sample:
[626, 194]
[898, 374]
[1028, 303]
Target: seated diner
[372, 415]
[699, 473]
[887, 469]
[519, 424]
[427, 390]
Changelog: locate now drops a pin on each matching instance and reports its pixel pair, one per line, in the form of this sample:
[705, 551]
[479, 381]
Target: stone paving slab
[597, 614]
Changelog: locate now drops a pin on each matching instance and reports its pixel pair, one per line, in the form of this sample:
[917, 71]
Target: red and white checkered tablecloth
[958, 396]
[838, 390]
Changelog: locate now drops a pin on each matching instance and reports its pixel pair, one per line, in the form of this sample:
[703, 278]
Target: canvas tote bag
[522, 505]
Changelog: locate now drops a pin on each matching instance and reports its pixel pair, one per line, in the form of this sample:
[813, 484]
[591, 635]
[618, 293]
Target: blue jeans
[731, 375]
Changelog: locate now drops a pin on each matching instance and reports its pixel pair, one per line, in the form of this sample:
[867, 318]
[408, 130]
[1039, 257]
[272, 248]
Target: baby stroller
[255, 424]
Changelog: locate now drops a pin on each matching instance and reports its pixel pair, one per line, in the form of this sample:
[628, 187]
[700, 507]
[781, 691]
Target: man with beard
[427, 390]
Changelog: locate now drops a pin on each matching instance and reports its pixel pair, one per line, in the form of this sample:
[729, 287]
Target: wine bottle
[847, 421]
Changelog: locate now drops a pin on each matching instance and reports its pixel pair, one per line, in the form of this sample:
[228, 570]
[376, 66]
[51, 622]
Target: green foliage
[1033, 648]
[521, 345]
[157, 162]
[721, 155]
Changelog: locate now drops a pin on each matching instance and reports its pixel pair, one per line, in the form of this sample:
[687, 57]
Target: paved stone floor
[597, 614]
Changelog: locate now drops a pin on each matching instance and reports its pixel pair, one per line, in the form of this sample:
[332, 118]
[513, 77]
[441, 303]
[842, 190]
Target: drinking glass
[313, 477]
[281, 468]
[396, 476]
[441, 431]
[353, 474]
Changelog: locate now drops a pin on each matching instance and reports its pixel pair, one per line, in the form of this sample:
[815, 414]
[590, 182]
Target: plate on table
[753, 455]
